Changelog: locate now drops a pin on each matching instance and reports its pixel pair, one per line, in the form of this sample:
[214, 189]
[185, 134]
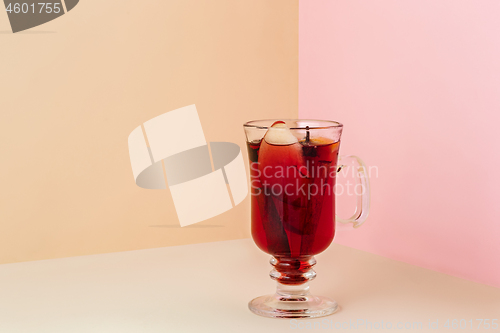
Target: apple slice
[279, 134]
[280, 150]
[283, 171]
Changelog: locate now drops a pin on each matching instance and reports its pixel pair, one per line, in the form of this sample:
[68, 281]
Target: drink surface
[293, 202]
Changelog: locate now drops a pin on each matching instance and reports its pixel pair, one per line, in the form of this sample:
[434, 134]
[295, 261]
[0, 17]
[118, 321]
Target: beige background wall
[73, 89]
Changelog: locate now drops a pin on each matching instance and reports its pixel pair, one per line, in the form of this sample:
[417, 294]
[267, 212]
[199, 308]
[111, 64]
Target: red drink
[293, 202]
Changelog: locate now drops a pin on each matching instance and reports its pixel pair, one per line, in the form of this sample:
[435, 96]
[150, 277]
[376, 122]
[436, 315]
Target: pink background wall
[417, 86]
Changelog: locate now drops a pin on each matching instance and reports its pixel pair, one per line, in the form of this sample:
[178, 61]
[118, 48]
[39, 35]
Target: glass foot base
[281, 306]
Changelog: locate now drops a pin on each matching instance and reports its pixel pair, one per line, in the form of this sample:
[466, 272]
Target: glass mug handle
[363, 198]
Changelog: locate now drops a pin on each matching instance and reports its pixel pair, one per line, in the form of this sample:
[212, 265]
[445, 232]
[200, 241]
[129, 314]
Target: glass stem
[293, 271]
[295, 292]
[292, 298]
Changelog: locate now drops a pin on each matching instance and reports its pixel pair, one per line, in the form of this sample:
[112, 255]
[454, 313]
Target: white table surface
[206, 288]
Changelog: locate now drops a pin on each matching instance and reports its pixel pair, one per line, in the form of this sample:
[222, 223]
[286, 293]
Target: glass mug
[293, 168]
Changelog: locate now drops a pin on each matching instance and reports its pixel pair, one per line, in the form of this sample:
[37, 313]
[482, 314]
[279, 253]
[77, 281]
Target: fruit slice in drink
[281, 172]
